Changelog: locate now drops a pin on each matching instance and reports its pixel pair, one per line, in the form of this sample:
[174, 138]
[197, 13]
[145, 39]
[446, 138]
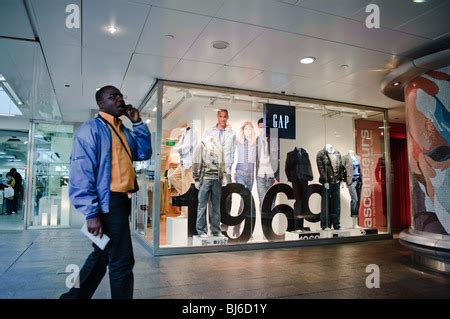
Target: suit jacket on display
[347, 161]
[298, 165]
[326, 170]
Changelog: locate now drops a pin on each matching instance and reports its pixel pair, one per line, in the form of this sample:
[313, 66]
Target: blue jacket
[90, 163]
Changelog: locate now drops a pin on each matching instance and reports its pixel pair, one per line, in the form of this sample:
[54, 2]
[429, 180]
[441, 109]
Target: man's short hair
[222, 110]
[13, 170]
[99, 93]
[261, 120]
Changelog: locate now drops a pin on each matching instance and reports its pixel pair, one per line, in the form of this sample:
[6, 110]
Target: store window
[244, 168]
[49, 204]
[143, 205]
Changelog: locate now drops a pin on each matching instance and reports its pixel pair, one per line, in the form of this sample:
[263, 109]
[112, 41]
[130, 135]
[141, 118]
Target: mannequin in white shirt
[354, 182]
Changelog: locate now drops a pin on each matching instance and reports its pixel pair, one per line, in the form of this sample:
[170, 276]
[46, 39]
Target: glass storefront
[259, 169]
[49, 204]
[143, 207]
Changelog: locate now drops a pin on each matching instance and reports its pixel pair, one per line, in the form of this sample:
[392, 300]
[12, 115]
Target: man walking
[101, 179]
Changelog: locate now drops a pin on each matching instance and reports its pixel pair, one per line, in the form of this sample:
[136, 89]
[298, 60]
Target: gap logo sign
[282, 118]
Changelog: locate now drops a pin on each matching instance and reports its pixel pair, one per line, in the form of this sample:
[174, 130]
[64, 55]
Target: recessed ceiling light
[307, 60]
[112, 29]
[396, 84]
[220, 45]
[169, 36]
[345, 66]
[67, 85]
[154, 109]
[419, 1]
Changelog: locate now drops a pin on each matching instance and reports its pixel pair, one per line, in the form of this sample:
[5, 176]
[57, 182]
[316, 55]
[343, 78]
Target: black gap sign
[281, 117]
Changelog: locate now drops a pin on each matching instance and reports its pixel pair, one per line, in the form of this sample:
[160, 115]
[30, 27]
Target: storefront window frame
[155, 246]
[29, 195]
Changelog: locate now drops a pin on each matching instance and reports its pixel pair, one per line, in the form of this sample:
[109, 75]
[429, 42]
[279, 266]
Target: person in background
[17, 189]
[9, 199]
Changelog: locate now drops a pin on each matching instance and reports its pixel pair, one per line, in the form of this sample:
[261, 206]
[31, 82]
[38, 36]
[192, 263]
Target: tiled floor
[11, 222]
[33, 265]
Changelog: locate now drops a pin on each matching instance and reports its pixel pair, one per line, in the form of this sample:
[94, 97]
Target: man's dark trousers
[118, 255]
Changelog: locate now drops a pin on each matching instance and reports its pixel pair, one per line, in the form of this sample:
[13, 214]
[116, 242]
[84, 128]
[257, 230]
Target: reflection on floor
[12, 222]
[33, 265]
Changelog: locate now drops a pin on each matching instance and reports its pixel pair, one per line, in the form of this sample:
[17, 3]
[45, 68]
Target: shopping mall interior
[336, 119]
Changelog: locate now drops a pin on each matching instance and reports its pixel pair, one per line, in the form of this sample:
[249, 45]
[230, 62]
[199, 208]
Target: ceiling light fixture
[220, 45]
[112, 29]
[419, 1]
[345, 66]
[169, 36]
[396, 84]
[2, 78]
[154, 109]
[307, 60]
[12, 93]
[148, 121]
[67, 85]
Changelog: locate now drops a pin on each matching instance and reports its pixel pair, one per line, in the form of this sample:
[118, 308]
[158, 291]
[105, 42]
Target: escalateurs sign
[369, 145]
[282, 118]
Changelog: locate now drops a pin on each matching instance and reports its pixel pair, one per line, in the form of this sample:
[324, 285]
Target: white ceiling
[267, 38]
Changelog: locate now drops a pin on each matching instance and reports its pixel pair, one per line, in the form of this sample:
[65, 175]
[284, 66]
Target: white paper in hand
[100, 242]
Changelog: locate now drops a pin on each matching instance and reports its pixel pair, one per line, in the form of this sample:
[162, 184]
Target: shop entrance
[401, 217]
[13, 155]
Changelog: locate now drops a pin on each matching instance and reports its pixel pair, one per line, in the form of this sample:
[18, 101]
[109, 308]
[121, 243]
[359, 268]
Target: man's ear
[100, 105]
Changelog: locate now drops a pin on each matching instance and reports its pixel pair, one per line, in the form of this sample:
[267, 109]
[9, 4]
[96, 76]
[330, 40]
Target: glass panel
[13, 154]
[50, 200]
[145, 171]
[266, 168]
[358, 137]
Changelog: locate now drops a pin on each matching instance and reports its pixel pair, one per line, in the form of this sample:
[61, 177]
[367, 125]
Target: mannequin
[331, 170]
[298, 171]
[181, 178]
[209, 173]
[351, 162]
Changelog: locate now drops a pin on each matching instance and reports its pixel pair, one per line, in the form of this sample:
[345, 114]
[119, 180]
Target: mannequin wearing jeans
[351, 162]
[246, 159]
[209, 174]
[298, 171]
[331, 170]
[267, 157]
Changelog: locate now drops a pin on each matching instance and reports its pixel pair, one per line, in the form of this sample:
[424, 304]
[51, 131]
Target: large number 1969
[190, 200]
